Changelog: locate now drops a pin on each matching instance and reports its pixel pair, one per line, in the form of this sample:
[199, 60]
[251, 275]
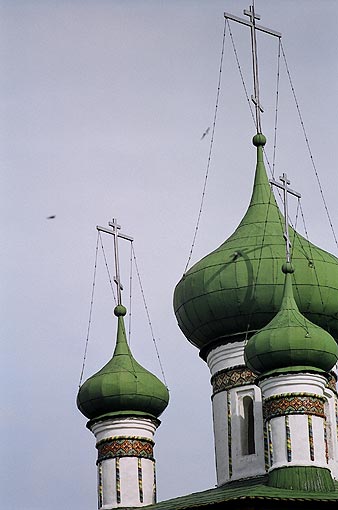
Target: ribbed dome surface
[122, 386]
[238, 287]
[290, 340]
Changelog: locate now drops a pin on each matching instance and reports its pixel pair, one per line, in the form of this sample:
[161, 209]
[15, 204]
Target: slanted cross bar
[115, 232]
[286, 190]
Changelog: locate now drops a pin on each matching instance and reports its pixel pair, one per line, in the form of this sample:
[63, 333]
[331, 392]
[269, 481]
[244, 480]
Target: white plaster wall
[299, 434]
[300, 447]
[225, 356]
[334, 462]
[300, 441]
[221, 358]
[108, 484]
[244, 466]
[148, 481]
[129, 489]
[293, 383]
[124, 427]
[319, 441]
[129, 482]
[332, 432]
[220, 418]
[278, 438]
[298, 423]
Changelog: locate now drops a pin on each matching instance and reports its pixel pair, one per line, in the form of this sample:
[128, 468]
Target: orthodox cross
[253, 27]
[115, 232]
[286, 190]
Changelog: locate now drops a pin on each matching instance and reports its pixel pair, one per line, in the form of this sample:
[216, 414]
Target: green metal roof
[254, 489]
[290, 340]
[122, 386]
[238, 287]
[302, 478]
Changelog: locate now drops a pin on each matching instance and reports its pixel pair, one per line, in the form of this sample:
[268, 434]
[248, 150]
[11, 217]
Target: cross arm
[249, 24]
[109, 231]
[282, 186]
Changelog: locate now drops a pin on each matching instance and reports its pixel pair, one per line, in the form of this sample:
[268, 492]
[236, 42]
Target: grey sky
[103, 104]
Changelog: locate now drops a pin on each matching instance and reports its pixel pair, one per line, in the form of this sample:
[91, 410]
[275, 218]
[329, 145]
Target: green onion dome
[122, 386]
[237, 289]
[290, 341]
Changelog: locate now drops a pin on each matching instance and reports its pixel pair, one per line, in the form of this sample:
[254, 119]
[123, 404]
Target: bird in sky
[205, 133]
[51, 217]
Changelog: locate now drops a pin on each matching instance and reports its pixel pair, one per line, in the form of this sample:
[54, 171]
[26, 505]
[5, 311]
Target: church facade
[271, 346]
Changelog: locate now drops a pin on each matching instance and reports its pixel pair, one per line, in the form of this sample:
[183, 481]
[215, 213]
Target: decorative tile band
[293, 403]
[125, 446]
[311, 445]
[154, 485]
[266, 447]
[140, 480]
[326, 442]
[270, 443]
[117, 479]
[100, 486]
[336, 412]
[229, 433]
[231, 378]
[332, 382]
[288, 439]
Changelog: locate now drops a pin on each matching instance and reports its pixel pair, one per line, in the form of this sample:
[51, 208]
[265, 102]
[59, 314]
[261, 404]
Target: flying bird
[205, 133]
[51, 217]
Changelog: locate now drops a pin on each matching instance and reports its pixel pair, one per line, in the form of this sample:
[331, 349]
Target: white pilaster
[332, 430]
[126, 467]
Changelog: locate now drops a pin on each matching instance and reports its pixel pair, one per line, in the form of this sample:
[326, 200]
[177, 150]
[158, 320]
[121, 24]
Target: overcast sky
[103, 105]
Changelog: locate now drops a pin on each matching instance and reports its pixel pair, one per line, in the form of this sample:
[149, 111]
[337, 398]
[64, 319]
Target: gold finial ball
[259, 139]
[120, 311]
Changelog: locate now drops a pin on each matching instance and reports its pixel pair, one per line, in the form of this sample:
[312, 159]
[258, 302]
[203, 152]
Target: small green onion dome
[122, 386]
[290, 341]
[237, 289]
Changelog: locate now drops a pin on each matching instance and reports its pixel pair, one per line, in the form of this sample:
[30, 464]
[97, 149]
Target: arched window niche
[247, 426]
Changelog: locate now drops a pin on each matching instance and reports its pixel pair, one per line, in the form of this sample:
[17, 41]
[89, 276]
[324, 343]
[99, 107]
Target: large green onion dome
[290, 341]
[122, 386]
[237, 289]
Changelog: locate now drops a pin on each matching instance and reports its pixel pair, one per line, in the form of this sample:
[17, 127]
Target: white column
[332, 425]
[294, 407]
[126, 467]
[236, 400]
